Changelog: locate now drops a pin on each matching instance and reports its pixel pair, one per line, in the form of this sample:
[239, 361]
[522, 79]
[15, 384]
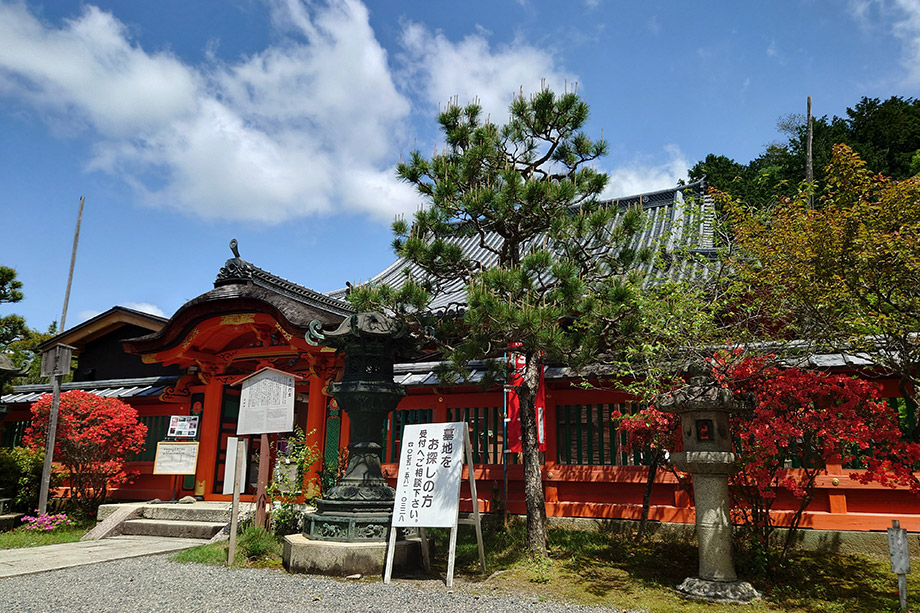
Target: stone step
[173, 528]
[175, 512]
[197, 511]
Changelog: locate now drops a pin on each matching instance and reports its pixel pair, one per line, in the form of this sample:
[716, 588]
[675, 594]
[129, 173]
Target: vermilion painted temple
[251, 319]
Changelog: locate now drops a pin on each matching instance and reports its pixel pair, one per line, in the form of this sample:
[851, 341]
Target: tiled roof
[679, 217]
[113, 388]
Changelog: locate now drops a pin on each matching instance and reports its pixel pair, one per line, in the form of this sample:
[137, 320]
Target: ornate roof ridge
[238, 270]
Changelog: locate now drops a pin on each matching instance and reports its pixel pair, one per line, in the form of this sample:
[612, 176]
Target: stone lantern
[704, 410]
[348, 532]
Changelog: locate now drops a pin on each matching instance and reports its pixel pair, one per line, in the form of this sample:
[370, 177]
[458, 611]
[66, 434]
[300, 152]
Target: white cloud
[471, 69]
[900, 17]
[86, 315]
[907, 28]
[145, 307]
[286, 132]
[641, 175]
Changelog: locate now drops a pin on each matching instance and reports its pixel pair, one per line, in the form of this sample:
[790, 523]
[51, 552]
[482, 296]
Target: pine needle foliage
[558, 282]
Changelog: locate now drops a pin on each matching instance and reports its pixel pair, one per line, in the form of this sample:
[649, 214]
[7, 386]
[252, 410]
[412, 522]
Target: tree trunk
[647, 497]
[533, 477]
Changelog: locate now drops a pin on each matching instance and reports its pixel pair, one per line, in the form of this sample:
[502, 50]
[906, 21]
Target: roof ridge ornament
[234, 247]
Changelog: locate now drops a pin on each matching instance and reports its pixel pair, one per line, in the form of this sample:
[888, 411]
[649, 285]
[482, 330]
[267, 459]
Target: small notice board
[428, 487]
[176, 458]
[266, 403]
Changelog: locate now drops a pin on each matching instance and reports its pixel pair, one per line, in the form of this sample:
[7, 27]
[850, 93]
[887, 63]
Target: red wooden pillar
[210, 437]
[316, 433]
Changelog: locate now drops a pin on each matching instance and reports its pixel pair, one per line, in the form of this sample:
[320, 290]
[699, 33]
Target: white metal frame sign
[428, 487]
[176, 458]
[267, 403]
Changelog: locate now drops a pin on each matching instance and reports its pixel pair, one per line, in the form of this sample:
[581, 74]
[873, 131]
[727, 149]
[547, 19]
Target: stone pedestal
[305, 555]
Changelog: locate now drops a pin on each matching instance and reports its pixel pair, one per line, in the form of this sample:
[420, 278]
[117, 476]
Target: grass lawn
[604, 569]
[20, 537]
[255, 549]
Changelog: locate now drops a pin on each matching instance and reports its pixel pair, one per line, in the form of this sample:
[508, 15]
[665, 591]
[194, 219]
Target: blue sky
[279, 122]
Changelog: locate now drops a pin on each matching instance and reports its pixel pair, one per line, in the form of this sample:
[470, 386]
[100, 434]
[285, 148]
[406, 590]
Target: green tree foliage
[845, 276]
[559, 280]
[17, 339]
[886, 135]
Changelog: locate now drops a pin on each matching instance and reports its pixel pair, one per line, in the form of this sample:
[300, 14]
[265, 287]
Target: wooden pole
[49, 444]
[73, 260]
[809, 161]
[261, 493]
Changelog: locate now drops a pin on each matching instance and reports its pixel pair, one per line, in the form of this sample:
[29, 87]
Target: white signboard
[230, 466]
[267, 403]
[428, 484]
[175, 458]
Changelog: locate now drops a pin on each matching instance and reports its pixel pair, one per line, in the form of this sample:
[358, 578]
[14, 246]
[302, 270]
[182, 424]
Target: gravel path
[154, 583]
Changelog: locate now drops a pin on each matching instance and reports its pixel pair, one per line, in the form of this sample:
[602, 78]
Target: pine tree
[558, 279]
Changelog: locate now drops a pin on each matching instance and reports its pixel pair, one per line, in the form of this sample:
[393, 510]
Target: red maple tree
[94, 437]
[797, 422]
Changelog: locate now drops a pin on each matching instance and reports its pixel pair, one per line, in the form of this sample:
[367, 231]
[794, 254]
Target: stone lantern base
[304, 555]
[718, 591]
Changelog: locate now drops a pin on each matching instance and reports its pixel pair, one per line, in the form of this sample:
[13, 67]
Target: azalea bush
[793, 424]
[656, 434]
[45, 522]
[94, 437]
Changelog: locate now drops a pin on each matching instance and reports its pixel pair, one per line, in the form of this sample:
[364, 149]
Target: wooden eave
[84, 333]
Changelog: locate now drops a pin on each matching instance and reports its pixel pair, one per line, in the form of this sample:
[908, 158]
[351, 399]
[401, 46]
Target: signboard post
[266, 406]
[240, 451]
[900, 558]
[428, 488]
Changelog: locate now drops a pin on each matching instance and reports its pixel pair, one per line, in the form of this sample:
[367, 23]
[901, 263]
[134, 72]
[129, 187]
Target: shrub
[21, 477]
[94, 437]
[256, 542]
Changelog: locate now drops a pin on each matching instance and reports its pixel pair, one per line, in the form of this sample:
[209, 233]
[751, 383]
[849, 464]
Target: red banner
[518, 362]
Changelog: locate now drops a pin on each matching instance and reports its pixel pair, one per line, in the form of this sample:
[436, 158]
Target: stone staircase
[196, 520]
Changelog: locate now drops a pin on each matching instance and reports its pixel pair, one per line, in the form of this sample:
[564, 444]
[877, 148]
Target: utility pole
[809, 162]
[55, 364]
[73, 260]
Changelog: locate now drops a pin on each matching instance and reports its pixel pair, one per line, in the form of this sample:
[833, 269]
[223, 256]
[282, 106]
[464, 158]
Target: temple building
[251, 319]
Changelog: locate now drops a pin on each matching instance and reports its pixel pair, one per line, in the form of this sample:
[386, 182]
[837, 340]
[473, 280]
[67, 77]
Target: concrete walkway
[29, 560]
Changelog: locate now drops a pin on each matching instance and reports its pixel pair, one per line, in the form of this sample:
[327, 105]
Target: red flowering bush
[655, 434]
[94, 437]
[807, 420]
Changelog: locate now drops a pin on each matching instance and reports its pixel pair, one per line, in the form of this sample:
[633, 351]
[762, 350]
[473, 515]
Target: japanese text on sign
[267, 403]
[428, 484]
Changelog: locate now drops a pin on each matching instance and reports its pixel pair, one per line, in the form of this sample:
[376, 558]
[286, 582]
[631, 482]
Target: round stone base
[718, 591]
[312, 557]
